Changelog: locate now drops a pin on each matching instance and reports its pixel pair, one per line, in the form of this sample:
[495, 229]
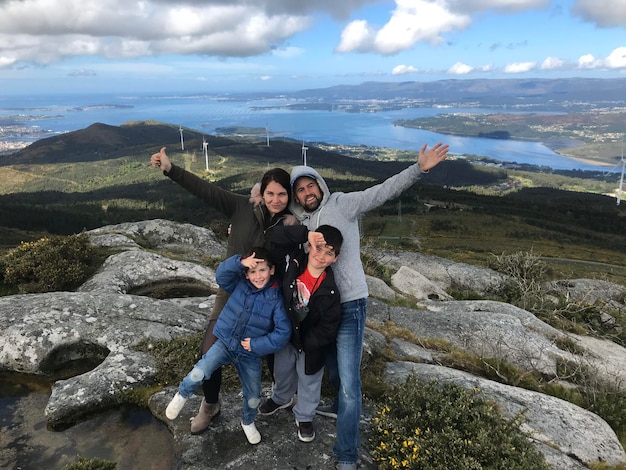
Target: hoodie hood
[298, 172]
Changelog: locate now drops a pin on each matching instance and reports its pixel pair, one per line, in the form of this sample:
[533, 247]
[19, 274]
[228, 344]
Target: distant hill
[487, 92]
[98, 142]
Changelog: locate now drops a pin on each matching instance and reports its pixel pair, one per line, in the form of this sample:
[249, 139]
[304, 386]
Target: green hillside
[101, 175]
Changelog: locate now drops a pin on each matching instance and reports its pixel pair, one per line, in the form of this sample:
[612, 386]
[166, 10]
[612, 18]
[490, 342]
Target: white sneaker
[173, 409]
[250, 430]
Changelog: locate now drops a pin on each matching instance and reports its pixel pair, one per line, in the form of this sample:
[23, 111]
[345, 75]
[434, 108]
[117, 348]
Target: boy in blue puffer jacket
[252, 324]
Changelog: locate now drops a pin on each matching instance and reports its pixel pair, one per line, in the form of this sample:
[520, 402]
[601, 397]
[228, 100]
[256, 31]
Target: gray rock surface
[413, 283]
[103, 322]
[377, 288]
[189, 240]
[43, 332]
[133, 269]
[224, 445]
[440, 271]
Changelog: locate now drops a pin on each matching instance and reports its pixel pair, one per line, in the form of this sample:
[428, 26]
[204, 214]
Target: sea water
[205, 113]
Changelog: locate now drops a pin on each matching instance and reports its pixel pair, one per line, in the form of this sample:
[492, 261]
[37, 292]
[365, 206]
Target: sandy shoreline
[590, 161]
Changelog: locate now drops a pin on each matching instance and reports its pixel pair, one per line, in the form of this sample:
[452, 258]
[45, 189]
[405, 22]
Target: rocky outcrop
[441, 272]
[43, 333]
[104, 320]
[159, 234]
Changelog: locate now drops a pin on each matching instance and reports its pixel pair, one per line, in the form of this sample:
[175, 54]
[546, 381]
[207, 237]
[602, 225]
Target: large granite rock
[103, 322]
[42, 333]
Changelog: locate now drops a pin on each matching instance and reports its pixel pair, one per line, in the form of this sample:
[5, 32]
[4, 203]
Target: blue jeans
[248, 367]
[344, 369]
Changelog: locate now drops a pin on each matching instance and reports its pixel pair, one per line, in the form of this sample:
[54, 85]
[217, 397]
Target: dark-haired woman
[251, 219]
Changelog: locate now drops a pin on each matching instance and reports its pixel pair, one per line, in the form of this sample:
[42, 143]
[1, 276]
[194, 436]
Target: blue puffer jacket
[250, 312]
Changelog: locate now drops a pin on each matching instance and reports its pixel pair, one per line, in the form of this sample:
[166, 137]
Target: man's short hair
[332, 236]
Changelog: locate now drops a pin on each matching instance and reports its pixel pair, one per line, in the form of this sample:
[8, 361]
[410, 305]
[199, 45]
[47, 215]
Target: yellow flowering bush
[426, 426]
[49, 264]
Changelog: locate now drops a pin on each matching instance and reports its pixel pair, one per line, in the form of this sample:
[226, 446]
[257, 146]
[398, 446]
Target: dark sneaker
[269, 407]
[330, 411]
[306, 431]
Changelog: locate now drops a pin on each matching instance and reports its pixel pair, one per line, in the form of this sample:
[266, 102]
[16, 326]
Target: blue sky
[204, 46]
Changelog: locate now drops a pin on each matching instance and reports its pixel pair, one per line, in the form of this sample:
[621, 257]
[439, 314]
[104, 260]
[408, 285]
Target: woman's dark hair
[280, 176]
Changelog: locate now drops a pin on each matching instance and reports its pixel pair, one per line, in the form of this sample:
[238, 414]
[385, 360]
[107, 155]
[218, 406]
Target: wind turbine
[182, 141]
[304, 149]
[205, 149]
[621, 180]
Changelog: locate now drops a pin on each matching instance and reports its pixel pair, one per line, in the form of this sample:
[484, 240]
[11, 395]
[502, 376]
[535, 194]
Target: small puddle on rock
[128, 435]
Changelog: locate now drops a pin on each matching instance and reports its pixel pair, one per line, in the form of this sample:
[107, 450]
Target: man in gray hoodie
[314, 205]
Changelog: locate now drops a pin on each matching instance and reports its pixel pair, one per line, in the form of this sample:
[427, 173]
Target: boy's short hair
[260, 253]
[332, 236]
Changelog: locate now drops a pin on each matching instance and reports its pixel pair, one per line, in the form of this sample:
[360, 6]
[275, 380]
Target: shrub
[431, 427]
[525, 288]
[49, 264]
[90, 464]
[525, 272]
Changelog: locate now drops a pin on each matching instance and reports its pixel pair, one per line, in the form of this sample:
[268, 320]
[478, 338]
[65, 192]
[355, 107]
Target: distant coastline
[371, 127]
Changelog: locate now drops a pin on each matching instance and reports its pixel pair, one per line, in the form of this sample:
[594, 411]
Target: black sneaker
[269, 407]
[330, 411]
[306, 431]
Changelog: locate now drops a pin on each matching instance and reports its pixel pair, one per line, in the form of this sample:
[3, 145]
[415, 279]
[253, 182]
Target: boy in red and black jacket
[313, 304]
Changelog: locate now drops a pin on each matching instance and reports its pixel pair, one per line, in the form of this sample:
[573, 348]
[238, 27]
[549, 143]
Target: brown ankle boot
[206, 413]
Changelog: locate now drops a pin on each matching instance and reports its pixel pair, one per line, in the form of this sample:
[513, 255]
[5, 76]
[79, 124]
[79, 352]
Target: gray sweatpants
[290, 378]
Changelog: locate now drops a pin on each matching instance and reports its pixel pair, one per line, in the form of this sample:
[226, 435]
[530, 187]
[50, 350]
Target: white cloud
[45, 31]
[6, 61]
[412, 21]
[404, 69]
[460, 69]
[617, 59]
[553, 63]
[358, 36]
[588, 61]
[607, 14]
[519, 67]
[127, 48]
[265, 77]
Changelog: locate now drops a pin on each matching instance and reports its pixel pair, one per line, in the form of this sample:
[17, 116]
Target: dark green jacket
[250, 222]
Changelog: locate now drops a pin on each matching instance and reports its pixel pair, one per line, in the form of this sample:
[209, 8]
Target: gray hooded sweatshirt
[343, 210]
